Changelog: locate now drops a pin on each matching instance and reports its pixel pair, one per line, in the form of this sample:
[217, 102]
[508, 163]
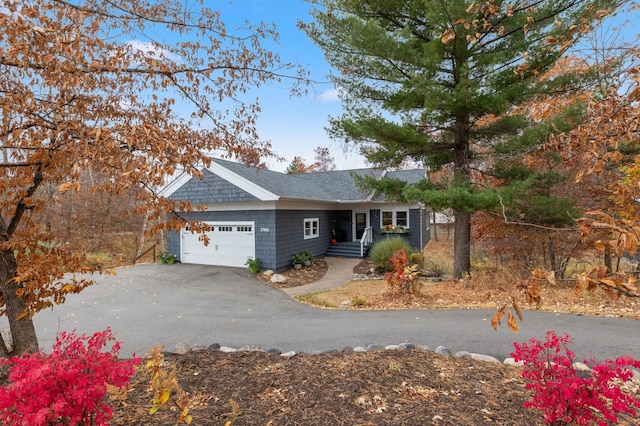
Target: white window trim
[315, 230]
[394, 217]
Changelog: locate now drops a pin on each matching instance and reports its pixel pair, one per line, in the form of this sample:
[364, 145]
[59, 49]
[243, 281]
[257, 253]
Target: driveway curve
[151, 304]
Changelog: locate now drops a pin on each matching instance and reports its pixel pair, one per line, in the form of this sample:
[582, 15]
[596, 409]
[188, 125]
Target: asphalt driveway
[154, 304]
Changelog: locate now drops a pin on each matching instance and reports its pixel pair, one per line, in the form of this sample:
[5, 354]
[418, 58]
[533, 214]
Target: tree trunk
[552, 254]
[462, 177]
[607, 257]
[23, 333]
[462, 245]
[142, 236]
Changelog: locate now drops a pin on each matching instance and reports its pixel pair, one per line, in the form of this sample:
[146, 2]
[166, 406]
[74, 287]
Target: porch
[350, 250]
[353, 249]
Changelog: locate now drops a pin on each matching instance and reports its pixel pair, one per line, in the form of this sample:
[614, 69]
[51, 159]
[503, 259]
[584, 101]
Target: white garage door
[230, 244]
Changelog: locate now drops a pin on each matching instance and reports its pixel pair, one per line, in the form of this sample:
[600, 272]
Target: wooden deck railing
[152, 248]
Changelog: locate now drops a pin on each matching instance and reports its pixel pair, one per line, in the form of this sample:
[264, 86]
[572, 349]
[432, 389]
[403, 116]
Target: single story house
[268, 215]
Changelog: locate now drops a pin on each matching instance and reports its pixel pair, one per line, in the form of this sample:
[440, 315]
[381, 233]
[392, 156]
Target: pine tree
[420, 78]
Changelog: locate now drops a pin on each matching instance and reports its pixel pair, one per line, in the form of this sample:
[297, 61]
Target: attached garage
[230, 244]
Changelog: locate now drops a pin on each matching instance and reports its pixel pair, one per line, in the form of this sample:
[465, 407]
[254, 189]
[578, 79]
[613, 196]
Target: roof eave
[169, 189]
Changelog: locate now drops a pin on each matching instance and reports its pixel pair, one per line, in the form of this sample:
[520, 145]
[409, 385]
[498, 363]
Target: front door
[360, 221]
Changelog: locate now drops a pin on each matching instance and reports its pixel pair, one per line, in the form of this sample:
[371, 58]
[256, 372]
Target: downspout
[427, 177]
[421, 206]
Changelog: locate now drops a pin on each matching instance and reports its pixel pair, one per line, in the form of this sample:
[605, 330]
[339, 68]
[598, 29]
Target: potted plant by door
[297, 259]
[253, 264]
[308, 257]
[167, 258]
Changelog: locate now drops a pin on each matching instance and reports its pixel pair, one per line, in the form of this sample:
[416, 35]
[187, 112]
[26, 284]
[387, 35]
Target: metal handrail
[366, 239]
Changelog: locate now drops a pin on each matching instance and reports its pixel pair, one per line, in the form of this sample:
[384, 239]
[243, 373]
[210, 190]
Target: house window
[311, 228]
[205, 227]
[402, 219]
[387, 219]
[391, 219]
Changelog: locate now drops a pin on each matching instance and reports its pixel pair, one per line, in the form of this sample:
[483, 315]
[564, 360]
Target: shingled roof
[321, 186]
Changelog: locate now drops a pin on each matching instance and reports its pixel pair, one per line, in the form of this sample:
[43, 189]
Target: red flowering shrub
[402, 278]
[67, 386]
[565, 397]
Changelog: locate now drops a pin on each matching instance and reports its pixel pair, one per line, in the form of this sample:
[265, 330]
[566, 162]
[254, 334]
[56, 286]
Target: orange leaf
[611, 282]
[581, 284]
[551, 277]
[518, 312]
[448, 36]
[511, 322]
[598, 272]
[539, 274]
[66, 186]
[497, 317]
[534, 289]
[612, 294]
[630, 285]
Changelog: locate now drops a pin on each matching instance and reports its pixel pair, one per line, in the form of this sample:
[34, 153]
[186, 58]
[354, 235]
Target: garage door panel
[230, 244]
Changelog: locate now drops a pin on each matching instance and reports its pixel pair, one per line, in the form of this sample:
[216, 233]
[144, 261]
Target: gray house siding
[211, 189]
[173, 243]
[265, 231]
[290, 234]
[418, 236]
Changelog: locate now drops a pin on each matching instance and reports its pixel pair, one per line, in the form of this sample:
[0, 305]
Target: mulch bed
[407, 387]
[298, 277]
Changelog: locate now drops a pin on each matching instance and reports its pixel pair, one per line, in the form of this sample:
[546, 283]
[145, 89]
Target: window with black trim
[311, 228]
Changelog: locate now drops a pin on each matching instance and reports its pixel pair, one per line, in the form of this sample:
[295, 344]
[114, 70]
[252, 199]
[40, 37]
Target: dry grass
[489, 287]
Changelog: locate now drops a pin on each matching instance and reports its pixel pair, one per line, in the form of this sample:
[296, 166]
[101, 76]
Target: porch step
[348, 249]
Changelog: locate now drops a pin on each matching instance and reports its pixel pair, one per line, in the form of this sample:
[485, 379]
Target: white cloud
[330, 95]
[151, 49]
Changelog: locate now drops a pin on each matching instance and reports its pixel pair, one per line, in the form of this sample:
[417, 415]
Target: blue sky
[294, 125]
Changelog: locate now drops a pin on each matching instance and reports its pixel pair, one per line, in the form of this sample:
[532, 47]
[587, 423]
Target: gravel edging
[183, 348]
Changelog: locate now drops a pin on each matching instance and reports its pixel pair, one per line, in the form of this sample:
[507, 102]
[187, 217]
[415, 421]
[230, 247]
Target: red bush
[67, 386]
[565, 397]
[403, 277]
